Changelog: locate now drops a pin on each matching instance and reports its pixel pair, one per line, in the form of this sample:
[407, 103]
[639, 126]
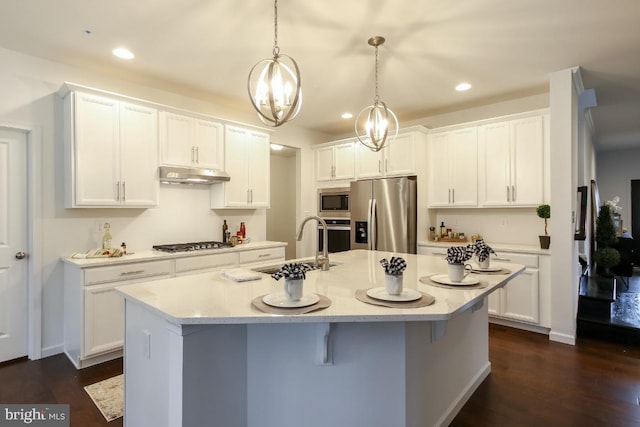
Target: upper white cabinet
[453, 170]
[246, 154]
[511, 162]
[190, 141]
[111, 152]
[397, 157]
[335, 162]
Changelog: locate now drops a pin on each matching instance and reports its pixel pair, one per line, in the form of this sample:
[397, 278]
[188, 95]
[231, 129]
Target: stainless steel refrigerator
[383, 214]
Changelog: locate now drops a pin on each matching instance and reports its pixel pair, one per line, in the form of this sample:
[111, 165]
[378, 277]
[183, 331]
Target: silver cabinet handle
[501, 259]
[264, 255]
[513, 193]
[248, 196]
[21, 255]
[118, 190]
[453, 196]
[124, 191]
[197, 154]
[193, 154]
[379, 166]
[386, 165]
[130, 273]
[508, 195]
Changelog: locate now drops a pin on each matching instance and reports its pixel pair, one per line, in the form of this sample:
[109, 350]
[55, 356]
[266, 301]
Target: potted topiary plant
[544, 212]
[606, 256]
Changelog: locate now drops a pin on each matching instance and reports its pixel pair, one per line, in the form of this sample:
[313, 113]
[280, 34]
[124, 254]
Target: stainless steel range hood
[186, 175]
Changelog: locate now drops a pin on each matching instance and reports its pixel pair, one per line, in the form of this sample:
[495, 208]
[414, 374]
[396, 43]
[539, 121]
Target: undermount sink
[272, 269]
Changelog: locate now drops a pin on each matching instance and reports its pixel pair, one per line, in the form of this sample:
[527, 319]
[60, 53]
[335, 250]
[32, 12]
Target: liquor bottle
[225, 227]
[106, 238]
[243, 230]
[443, 230]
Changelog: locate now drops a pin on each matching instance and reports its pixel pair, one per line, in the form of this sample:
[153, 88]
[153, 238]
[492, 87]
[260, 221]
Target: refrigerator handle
[373, 241]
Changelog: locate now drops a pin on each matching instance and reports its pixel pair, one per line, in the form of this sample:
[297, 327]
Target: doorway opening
[281, 217]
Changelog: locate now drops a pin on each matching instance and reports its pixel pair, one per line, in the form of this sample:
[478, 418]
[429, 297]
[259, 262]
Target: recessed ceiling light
[463, 86]
[276, 147]
[123, 53]
[347, 115]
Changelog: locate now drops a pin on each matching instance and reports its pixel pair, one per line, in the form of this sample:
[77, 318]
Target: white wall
[614, 171]
[281, 218]
[28, 86]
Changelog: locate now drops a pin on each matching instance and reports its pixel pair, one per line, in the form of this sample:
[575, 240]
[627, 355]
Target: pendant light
[376, 124]
[274, 85]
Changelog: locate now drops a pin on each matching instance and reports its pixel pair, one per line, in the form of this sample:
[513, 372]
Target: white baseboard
[562, 338]
[52, 350]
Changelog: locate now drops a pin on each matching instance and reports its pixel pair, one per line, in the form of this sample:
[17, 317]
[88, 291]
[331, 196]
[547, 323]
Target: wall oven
[338, 233]
[333, 202]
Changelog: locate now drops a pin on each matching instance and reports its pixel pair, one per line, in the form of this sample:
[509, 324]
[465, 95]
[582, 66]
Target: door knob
[20, 255]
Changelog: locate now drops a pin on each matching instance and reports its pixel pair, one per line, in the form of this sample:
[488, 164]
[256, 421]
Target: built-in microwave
[333, 202]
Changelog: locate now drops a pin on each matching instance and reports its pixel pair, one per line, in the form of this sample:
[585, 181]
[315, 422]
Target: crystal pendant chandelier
[274, 85]
[376, 124]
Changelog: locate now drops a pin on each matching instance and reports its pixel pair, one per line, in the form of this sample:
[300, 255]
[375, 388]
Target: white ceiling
[506, 49]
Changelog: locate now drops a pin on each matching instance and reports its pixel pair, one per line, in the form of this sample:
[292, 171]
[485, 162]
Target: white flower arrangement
[613, 205]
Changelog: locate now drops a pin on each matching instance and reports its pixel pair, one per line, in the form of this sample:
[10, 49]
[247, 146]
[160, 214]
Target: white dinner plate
[444, 279]
[405, 296]
[486, 270]
[280, 300]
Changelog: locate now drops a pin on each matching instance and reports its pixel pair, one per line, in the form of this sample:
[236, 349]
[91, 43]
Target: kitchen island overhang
[198, 350]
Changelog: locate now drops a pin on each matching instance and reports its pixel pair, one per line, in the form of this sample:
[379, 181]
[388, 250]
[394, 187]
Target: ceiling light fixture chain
[275, 88]
[376, 125]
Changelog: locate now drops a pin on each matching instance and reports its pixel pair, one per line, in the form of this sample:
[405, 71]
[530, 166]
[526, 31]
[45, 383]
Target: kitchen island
[197, 352]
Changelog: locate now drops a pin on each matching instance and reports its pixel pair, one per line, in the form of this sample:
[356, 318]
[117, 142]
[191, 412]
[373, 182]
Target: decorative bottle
[106, 237]
[243, 230]
[225, 235]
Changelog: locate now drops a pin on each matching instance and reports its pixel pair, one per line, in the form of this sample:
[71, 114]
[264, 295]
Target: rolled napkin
[395, 266]
[481, 249]
[294, 270]
[459, 254]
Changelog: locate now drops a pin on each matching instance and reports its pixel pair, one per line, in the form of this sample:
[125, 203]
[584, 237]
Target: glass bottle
[106, 237]
[443, 230]
[243, 230]
[225, 234]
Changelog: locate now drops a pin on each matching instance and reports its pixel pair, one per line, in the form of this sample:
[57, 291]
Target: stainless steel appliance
[384, 214]
[333, 202]
[338, 234]
[192, 246]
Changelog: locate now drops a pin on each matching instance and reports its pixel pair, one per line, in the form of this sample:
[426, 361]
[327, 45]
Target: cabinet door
[96, 151]
[494, 162]
[344, 161]
[208, 144]
[493, 302]
[258, 166]
[400, 156]
[324, 164]
[103, 320]
[175, 139]
[520, 299]
[527, 158]
[139, 185]
[464, 159]
[236, 191]
[439, 191]
[369, 163]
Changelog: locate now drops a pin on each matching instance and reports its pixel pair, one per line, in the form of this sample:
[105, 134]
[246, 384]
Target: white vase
[393, 284]
[293, 289]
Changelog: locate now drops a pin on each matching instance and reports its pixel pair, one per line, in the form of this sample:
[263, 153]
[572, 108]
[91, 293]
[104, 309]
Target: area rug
[108, 395]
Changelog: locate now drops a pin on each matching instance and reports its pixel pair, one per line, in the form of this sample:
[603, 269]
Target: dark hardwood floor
[534, 382]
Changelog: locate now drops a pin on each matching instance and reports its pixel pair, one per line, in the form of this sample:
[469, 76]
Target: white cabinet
[246, 154]
[94, 313]
[511, 163]
[398, 157]
[261, 255]
[202, 263]
[453, 168]
[111, 152]
[518, 300]
[190, 141]
[335, 162]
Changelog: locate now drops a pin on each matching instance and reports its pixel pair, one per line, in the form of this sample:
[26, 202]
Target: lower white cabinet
[94, 314]
[519, 299]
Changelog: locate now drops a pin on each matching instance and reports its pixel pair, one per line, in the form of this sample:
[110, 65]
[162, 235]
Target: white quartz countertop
[210, 298]
[153, 255]
[506, 247]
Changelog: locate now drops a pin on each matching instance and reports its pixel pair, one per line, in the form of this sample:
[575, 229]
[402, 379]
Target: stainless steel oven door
[338, 233]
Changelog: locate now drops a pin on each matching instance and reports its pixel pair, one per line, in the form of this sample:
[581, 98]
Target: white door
[13, 245]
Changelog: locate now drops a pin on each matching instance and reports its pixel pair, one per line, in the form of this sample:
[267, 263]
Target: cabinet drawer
[206, 261]
[135, 271]
[261, 255]
[530, 261]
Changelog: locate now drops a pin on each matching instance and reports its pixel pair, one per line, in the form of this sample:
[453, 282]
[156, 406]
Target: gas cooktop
[192, 246]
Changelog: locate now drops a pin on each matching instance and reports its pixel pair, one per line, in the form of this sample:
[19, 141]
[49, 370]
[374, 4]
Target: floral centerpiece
[481, 250]
[293, 270]
[395, 266]
[459, 254]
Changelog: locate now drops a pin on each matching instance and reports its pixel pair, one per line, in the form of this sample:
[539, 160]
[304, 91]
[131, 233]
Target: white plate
[444, 279]
[485, 270]
[405, 295]
[280, 300]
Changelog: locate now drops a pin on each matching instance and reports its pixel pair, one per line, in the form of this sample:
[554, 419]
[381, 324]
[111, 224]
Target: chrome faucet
[322, 261]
